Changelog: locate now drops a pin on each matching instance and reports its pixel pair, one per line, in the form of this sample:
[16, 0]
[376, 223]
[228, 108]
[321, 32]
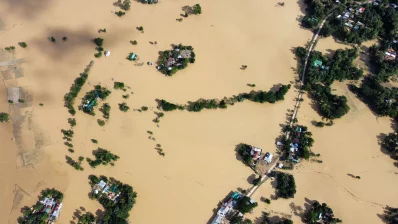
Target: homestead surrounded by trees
[117, 198]
[170, 61]
[46, 210]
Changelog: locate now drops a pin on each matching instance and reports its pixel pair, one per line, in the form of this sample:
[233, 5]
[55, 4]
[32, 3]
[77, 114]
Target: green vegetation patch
[123, 107]
[320, 213]
[22, 44]
[4, 117]
[102, 156]
[106, 109]
[74, 164]
[285, 184]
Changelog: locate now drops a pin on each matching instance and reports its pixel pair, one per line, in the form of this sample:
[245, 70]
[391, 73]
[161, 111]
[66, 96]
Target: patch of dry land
[349, 147]
[200, 165]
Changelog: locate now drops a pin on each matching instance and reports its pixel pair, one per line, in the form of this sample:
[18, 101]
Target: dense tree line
[69, 98]
[255, 96]
[383, 101]
[285, 184]
[380, 99]
[36, 215]
[320, 212]
[330, 106]
[390, 143]
[383, 69]
[322, 71]
[340, 67]
[115, 211]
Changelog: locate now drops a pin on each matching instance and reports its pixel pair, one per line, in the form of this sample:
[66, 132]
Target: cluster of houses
[390, 54]
[173, 61]
[227, 209]
[255, 153]
[51, 207]
[109, 190]
[348, 18]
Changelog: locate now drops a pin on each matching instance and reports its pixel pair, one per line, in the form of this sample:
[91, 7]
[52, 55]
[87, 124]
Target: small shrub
[123, 107]
[100, 49]
[120, 13]
[52, 39]
[196, 9]
[98, 41]
[267, 201]
[251, 85]
[10, 48]
[41, 104]
[126, 96]
[134, 42]
[126, 5]
[81, 158]
[94, 141]
[106, 109]
[319, 124]
[72, 122]
[144, 108]
[118, 85]
[22, 44]
[4, 117]
[71, 150]
[21, 101]
[64, 38]
[98, 54]
[101, 122]
[149, 132]
[358, 177]
[140, 28]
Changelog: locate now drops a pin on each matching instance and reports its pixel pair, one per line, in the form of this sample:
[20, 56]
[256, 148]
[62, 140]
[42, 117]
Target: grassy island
[117, 198]
[170, 61]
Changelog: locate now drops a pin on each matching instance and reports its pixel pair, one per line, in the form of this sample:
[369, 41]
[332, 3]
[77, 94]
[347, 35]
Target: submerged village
[90, 102]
